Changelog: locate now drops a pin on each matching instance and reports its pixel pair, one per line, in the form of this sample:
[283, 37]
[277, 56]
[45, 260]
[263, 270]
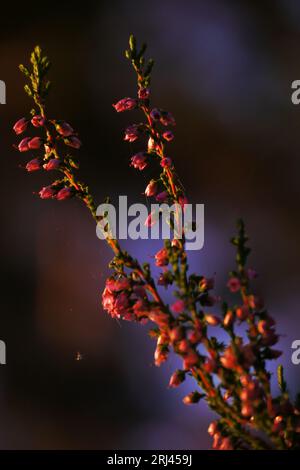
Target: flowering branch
[233, 377]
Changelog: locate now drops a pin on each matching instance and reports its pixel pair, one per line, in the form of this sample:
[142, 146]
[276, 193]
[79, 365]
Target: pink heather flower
[190, 360]
[163, 196]
[116, 304]
[234, 284]
[212, 428]
[151, 219]
[33, 165]
[191, 398]
[139, 291]
[167, 119]
[242, 313]
[161, 257]
[225, 444]
[176, 379]
[126, 104]
[210, 365]
[152, 145]
[255, 302]
[52, 164]
[47, 192]
[178, 306]
[132, 133]
[151, 189]
[228, 319]
[73, 141]
[139, 161]
[165, 162]
[35, 143]
[117, 284]
[64, 129]
[176, 334]
[206, 284]
[195, 336]
[20, 126]
[247, 410]
[144, 93]
[212, 320]
[229, 360]
[38, 121]
[155, 114]
[168, 136]
[184, 346]
[161, 351]
[64, 193]
[23, 145]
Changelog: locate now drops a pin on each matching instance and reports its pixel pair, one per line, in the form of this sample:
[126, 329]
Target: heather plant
[232, 376]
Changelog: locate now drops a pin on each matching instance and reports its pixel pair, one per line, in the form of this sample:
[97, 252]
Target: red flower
[132, 133]
[178, 306]
[64, 193]
[35, 143]
[168, 136]
[47, 192]
[23, 145]
[166, 162]
[126, 104]
[64, 129]
[38, 121]
[52, 164]
[73, 141]
[234, 284]
[161, 257]
[33, 165]
[151, 189]
[139, 161]
[20, 126]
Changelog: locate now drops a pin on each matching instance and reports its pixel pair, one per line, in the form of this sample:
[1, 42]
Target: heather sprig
[231, 377]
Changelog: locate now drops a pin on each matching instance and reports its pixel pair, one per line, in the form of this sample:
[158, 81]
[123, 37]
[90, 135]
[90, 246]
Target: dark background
[225, 70]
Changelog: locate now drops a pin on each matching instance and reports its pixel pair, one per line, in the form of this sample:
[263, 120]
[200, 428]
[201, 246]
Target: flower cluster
[232, 377]
[50, 147]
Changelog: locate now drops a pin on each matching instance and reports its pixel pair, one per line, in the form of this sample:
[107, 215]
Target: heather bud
[177, 378]
[64, 129]
[143, 93]
[35, 143]
[161, 257]
[228, 319]
[126, 104]
[23, 145]
[52, 164]
[151, 189]
[20, 126]
[166, 162]
[73, 141]
[47, 192]
[155, 114]
[64, 193]
[212, 320]
[33, 165]
[234, 284]
[38, 121]
[139, 161]
[168, 136]
[178, 306]
[162, 197]
[191, 398]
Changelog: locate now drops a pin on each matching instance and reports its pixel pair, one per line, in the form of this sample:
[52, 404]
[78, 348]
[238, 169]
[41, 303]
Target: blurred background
[224, 69]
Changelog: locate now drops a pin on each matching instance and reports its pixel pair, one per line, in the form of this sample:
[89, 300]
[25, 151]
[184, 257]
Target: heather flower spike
[233, 376]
